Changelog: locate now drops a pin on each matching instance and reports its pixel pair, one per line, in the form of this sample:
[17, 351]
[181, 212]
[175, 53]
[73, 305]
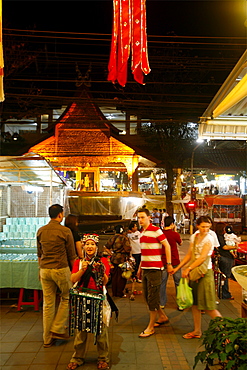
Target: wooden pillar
[138, 126]
[50, 117]
[39, 129]
[127, 125]
[135, 180]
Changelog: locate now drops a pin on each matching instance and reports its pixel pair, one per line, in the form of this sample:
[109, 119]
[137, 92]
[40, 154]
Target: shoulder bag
[199, 271]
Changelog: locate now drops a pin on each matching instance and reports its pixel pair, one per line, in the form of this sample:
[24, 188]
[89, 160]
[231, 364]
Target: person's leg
[197, 317]
[120, 282]
[137, 258]
[153, 278]
[163, 297]
[225, 266]
[162, 316]
[213, 313]
[176, 278]
[103, 344]
[62, 279]
[114, 280]
[80, 343]
[152, 319]
[49, 288]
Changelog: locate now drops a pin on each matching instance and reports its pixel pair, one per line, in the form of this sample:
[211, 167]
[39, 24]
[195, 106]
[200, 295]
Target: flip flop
[157, 324]
[145, 334]
[191, 336]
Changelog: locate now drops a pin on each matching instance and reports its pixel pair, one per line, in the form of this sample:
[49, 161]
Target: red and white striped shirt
[151, 248]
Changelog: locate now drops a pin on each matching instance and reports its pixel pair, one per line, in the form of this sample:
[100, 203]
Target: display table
[19, 274]
[23, 274]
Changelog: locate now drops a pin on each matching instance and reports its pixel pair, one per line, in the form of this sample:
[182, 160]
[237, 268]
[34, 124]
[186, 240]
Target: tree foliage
[175, 142]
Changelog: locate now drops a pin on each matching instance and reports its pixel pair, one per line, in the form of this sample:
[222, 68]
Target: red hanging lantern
[128, 35]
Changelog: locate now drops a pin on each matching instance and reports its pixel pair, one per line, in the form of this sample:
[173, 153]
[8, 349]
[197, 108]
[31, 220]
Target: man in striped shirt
[152, 239]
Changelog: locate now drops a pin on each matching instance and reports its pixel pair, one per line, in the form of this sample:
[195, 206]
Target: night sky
[191, 69]
[202, 18]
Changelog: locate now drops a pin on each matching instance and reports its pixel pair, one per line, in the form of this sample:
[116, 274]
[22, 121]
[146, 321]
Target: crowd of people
[73, 265]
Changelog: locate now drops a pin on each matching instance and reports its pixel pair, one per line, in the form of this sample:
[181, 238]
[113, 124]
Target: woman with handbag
[200, 274]
[89, 275]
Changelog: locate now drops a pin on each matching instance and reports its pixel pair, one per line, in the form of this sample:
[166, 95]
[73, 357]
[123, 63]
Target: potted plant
[225, 343]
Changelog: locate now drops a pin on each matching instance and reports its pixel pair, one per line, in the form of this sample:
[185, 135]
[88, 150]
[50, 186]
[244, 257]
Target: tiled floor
[22, 346]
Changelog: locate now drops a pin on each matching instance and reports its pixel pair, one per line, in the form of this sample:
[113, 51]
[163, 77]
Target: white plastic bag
[106, 309]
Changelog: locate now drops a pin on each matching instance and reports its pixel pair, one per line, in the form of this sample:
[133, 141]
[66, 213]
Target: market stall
[225, 208]
[28, 186]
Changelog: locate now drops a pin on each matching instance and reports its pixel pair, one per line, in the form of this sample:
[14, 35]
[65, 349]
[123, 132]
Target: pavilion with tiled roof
[82, 140]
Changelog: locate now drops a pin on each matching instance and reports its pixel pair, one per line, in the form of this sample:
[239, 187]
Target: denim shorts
[151, 281]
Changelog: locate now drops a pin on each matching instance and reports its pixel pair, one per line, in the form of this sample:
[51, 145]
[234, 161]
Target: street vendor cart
[227, 209]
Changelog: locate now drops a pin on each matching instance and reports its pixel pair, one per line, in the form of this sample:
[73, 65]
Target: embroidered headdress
[94, 237]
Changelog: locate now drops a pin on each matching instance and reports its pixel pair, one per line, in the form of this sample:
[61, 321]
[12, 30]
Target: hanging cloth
[128, 34]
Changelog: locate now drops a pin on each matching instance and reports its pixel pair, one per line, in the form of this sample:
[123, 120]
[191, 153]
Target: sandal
[158, 323]
[72, 366]
[145, 334]
[103, 365]
[191, 336]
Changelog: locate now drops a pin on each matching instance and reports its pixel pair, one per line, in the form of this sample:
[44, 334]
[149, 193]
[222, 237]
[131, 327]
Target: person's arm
[105, 261]
[70, 248]
[126, 244]
[76, 276]
[229, 247]
[105, 279]
[39, 252]
[139, 271]
[186, 259]
[178, 238]
[110, 242]
[168, 255]
[203, 256]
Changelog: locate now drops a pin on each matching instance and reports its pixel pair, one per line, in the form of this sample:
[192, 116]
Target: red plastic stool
[35, 302]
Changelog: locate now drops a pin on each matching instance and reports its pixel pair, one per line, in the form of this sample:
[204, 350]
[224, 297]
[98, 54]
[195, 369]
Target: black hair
[169, 220]
[54, 210]
[71, 222]
[228, 229]
[119, 229]
[132, 224]
[220, 228]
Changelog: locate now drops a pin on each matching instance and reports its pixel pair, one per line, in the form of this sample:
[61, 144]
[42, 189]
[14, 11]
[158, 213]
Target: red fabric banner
[128, 33]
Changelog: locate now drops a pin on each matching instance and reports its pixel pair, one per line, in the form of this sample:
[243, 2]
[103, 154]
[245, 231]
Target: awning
[226, 116]
[226, 200]
[30, 169]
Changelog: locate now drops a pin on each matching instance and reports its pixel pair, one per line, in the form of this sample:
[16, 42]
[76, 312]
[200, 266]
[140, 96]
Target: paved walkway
[22, 346]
